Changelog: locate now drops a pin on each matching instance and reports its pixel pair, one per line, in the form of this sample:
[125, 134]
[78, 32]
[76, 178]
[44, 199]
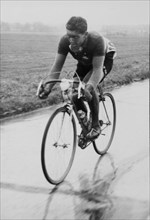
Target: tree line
[40, 27]
[28, 27]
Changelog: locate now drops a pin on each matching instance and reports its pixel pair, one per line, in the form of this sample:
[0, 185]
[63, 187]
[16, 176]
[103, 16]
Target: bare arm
[97, 73]
[54, 74]
[56, 68]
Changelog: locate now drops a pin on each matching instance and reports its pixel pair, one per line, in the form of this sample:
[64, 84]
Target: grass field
[26, 59]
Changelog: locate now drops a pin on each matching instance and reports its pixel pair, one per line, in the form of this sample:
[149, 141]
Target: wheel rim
[107, 116]
[58, 149]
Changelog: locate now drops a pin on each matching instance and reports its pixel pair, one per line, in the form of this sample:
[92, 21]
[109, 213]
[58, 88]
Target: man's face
[76, 39]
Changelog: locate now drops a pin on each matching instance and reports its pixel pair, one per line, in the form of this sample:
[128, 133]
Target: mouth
[74, 47]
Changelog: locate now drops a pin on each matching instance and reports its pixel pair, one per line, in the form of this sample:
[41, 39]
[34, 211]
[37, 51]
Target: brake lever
[40, 86]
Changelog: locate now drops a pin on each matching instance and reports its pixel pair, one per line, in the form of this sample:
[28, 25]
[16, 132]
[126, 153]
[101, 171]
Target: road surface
[115, 186]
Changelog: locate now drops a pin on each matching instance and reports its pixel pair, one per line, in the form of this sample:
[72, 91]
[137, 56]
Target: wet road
[115, 186]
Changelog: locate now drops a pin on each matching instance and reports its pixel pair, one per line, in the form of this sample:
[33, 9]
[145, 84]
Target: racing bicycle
[60, 137]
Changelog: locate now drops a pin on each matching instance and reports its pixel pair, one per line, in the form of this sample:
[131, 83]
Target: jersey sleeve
[63, 46]
[99, 49]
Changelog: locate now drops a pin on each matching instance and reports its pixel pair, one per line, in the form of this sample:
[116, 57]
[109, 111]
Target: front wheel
[58, 146]
[107, 120]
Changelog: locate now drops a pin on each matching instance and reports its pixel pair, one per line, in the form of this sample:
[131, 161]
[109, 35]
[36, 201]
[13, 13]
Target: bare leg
[94, 107]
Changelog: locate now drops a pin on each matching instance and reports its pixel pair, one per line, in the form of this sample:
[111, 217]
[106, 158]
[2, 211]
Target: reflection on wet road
[113, 186]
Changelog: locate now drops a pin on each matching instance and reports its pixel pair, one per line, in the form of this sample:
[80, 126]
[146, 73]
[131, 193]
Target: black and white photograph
[74, 110]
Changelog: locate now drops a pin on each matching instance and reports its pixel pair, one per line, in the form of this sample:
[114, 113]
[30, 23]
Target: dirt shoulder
[33, 108]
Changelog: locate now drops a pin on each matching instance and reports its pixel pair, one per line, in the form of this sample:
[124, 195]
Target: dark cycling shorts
[83, 70]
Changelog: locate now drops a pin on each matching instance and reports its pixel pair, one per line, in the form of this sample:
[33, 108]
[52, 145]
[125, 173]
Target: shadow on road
[92, 192]
[93, 199]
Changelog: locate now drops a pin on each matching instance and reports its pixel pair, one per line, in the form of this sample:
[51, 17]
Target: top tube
[61, 80]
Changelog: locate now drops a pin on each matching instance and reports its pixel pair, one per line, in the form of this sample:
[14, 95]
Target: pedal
[101, 123]
[82, 142]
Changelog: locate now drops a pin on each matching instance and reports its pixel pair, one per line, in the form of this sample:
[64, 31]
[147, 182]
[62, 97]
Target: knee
[89, 92]
[90, 88]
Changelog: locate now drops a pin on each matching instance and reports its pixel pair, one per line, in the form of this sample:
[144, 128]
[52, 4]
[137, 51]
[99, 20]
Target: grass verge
[26, 59]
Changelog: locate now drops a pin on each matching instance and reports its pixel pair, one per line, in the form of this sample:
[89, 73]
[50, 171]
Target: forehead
[73, 33]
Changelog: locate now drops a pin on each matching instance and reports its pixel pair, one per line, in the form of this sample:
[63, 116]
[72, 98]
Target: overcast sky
[97, 13]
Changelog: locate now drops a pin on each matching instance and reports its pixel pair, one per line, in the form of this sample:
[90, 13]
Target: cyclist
[94, 54]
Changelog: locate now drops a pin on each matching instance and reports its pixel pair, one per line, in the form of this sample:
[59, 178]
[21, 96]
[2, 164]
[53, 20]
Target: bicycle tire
[61, 150]
[98, 142]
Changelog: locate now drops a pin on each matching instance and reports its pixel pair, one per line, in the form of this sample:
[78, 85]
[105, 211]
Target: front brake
[40, 87]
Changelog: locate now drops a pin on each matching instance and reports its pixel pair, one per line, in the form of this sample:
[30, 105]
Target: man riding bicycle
[94, 54]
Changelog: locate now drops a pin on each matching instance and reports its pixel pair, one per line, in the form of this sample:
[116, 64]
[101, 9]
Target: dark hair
[78, 24]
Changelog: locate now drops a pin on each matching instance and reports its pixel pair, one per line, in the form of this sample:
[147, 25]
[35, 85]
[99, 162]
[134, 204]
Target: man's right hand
[44, 95]
[44, 92]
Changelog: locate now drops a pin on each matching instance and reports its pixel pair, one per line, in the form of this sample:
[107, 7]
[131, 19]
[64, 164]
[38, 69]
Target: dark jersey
[94, 45]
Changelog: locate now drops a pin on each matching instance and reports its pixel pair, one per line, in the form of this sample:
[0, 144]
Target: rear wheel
[58, 146]
[107, 120]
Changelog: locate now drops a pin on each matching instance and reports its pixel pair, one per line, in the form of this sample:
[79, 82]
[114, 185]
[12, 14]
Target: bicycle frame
[65, 90]
[66, 147]
[70, 106]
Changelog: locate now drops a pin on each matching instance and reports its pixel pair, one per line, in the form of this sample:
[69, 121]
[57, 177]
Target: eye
[73, 37]
[76, 37]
